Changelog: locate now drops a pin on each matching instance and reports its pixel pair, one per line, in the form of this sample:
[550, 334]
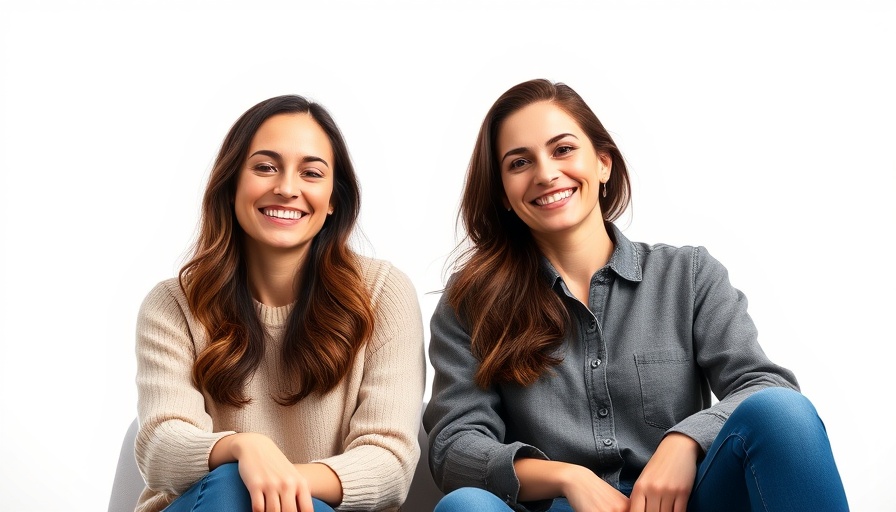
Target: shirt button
[603, 413]
[595, 363]
[592, 325]
[608, 442]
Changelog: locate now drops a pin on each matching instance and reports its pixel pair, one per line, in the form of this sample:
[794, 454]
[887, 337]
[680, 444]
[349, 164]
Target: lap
[480, 500]
[222, 490]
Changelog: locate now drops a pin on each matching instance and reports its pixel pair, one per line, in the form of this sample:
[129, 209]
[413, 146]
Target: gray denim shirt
[663, 329]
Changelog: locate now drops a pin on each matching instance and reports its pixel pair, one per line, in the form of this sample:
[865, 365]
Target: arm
[465, 426]
[176, 446]
[727, 349]
[728, 352]
[175, 438]
[381, 450]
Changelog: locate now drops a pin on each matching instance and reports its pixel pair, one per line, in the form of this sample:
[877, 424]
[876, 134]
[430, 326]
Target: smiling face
[550, 171]
[284, 189]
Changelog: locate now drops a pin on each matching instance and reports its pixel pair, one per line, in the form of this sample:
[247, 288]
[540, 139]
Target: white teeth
[283, 214]
[553, 198]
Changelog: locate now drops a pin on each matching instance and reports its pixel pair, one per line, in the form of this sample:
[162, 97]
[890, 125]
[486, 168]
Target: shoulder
[671, 262]
[383, 278]
[165, 295]
[397, 308]
[164, 316]
[667, 254]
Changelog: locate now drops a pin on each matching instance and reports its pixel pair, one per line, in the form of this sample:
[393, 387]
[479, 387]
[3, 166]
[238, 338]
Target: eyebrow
[519, 151]
[278, 156]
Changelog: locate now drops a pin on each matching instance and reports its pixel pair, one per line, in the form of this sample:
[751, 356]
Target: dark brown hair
[516, 321]
[332, 317]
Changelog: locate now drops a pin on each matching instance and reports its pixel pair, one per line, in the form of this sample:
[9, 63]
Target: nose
[546, 173]
[286, 185]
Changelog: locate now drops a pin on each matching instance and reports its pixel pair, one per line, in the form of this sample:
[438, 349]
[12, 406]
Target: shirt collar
[624, 261]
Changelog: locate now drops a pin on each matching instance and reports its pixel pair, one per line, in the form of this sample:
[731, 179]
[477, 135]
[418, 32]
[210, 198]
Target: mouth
[279, 213]
[553, 198]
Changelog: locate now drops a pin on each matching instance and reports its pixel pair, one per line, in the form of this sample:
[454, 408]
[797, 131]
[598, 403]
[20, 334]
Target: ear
[505, 202]
[606, 167]
[330, 209]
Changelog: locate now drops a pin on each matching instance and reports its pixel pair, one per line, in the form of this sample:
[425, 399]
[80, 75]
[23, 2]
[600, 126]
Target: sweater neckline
[273, 316]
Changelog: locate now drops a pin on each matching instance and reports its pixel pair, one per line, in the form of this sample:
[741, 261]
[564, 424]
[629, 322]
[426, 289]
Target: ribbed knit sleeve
[381, 450]
[175, 436]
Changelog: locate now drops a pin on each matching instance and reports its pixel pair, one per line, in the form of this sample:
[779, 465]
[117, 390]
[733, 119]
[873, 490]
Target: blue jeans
[772, 454]
[222, 490]
[470, 499]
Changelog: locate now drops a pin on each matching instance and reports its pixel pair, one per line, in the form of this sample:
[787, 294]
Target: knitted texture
[364, 429]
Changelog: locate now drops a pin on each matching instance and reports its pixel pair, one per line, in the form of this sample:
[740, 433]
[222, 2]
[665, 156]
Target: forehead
[296, 133]
[534, 124]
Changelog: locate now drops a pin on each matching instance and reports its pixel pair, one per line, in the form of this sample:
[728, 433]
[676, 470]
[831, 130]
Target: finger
[681, 504]
[637, 502]
[304, 498]
[288, 500]
[272, 502]
[654, 503]
[257, 498]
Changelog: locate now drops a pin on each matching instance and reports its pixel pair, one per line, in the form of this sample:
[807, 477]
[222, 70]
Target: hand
[273, 482]
[668, 478]
[587, 492]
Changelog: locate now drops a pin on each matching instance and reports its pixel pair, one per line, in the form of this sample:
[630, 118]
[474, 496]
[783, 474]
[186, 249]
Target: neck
[577, 255]
[273, 275]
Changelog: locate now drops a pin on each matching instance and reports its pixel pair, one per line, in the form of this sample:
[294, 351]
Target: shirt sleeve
[466, 430]
[381, 451]
[175, 436]
[727, 349]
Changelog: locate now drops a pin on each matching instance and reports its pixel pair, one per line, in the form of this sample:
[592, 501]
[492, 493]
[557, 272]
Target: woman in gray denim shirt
[574, 367]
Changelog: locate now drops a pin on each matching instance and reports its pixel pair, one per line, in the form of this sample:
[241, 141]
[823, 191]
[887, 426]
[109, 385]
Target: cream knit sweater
[365, 429]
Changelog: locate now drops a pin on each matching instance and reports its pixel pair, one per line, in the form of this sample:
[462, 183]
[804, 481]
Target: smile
[283, 214]
[553, 198]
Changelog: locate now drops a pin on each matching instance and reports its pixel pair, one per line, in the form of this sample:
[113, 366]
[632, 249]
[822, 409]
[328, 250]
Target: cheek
[513, 188]
[243, 202]
[323, 197]
[241, 210]
[244, 192]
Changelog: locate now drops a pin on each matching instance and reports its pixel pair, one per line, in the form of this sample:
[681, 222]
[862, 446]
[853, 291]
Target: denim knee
[471, 498]
[224, 485]
[226, 473]
[221, 489]
[787, 408]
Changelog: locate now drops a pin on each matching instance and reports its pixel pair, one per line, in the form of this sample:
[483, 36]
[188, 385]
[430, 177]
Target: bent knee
[470, 498]
[783, 405]
[225, 472]
[225, 480]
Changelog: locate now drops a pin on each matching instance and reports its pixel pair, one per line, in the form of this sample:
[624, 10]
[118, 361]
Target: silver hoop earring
[605, 189]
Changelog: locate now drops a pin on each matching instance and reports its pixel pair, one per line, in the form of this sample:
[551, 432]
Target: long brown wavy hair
[516, 321]
[332, 317]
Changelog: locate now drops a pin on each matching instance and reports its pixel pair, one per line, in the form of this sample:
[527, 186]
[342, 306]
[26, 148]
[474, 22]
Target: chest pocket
[669, 387]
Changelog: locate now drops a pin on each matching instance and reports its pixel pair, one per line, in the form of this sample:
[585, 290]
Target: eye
[517, 163]
[264, 168]
[312, 173]
[563, 150]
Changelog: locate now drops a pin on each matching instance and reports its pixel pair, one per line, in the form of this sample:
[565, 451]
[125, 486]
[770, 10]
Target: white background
[762, 131]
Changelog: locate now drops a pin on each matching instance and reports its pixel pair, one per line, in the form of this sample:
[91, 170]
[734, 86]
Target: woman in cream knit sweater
[281, 371]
